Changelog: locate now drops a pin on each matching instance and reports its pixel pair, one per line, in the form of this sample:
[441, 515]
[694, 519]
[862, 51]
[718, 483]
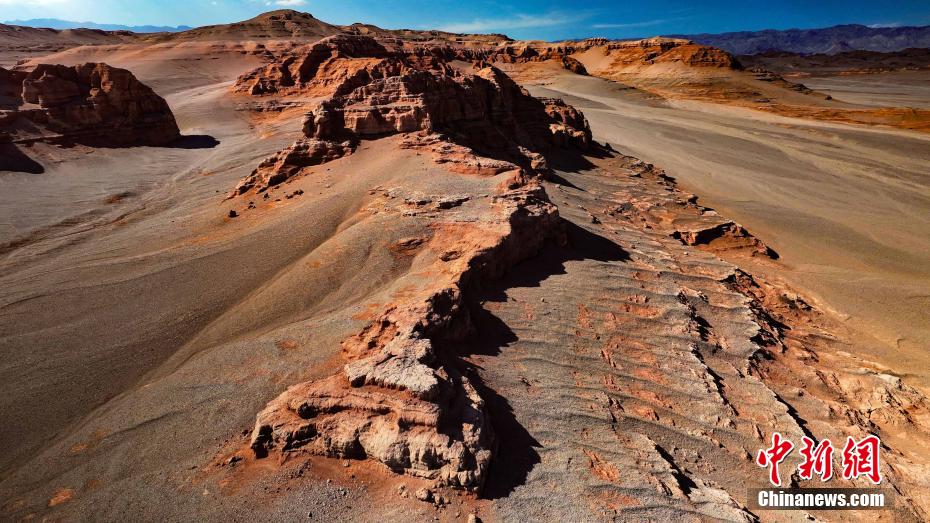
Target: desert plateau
[282, 269]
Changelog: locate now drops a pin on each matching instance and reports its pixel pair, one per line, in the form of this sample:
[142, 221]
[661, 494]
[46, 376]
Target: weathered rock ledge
[401, 399]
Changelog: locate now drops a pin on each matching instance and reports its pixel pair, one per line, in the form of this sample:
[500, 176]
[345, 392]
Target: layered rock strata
[401, 398]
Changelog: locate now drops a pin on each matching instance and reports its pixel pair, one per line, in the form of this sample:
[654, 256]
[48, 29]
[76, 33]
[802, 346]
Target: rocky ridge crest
[401, 398]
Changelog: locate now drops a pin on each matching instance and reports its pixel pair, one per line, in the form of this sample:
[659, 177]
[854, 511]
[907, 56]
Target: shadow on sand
[194, 141]
[517, 453]
[13, 159]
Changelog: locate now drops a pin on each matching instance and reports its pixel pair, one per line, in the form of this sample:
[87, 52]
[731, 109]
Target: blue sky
[542, 19]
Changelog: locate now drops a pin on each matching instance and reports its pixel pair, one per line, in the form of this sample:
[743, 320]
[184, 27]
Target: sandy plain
[845, 206]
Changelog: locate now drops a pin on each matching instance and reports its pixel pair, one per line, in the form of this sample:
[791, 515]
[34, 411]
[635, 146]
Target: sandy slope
[845, 206]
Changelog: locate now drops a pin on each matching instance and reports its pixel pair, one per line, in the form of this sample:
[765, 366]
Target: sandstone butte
[92, 103]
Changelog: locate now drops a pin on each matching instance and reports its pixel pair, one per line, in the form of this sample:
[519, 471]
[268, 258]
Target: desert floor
[844, 206]
[141, 327]
[891, 89]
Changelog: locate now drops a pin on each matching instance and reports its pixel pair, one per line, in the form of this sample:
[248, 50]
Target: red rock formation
[647, 51]
[574, 65]
[338, 61]
[92, 103]
[401, 398]
[398, 399]
[487, 108]
[661, 50]
[11, 87]
[288, 162]
[529, 53]
[699, 56]
[398, 92]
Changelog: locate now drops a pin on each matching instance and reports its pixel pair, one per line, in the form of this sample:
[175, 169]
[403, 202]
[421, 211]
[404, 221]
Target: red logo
[817, 460]
[861, 459]
[774, 455]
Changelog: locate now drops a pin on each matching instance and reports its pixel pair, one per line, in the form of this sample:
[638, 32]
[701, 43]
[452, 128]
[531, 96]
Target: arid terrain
[287, 270]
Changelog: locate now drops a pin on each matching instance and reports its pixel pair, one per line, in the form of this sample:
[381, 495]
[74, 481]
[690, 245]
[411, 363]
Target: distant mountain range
[829, 40]
[54, 23]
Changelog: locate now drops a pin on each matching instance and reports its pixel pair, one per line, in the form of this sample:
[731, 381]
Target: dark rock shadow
[555, 178]
[516, 448]
[517, 453]
[575, 161]
[14, 160]
[581, 244]
[194, 141]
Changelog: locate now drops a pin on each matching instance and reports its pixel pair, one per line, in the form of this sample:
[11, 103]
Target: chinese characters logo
[859, 458]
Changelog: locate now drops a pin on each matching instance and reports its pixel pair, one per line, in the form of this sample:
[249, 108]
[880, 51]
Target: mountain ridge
[56, 23]
[827, 40]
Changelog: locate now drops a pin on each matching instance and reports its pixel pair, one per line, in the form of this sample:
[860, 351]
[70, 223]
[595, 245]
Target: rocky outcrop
[568, 125]
[487, 110]
[665, 50]
[93, 103]
[335, 62]
[527, 53]
[574, 65]
[289, 161]
[637, 52]
[699, 56]
[11, 88]
[722, 235]
[377, 93]
[403, 397]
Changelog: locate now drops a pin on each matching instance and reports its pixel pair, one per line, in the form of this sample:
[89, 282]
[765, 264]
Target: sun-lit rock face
[337, 62]
[401, 399]
[637, 52]
[658, 50]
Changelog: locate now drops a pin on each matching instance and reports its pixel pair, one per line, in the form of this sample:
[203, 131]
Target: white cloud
[518, 21]
[880, 26]
[290, 3]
